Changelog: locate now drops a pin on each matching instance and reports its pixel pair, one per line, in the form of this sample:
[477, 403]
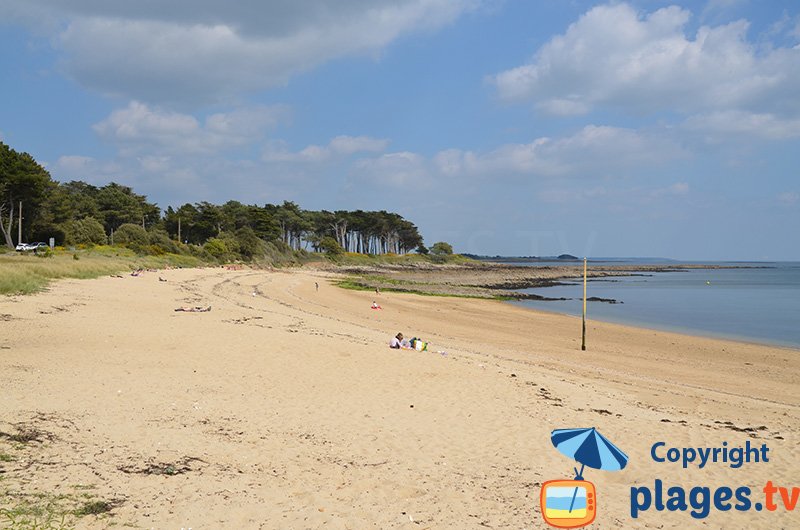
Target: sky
[639, 128]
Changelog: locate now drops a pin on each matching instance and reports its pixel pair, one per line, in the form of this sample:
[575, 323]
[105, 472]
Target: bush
[160, 243]
[216, 248]
[250, 245]
[231, 243]
[441, 248]
[86, 231]
[132, 236]
[330, 246]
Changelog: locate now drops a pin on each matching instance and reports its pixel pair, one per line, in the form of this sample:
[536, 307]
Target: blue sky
[640, 128]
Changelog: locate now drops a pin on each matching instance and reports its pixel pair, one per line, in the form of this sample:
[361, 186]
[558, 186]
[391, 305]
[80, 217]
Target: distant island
[514, 259]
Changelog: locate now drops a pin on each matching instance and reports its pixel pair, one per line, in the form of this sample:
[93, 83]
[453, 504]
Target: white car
[26, 247]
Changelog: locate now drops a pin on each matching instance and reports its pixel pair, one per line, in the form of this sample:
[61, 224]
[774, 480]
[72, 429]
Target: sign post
[583, 320]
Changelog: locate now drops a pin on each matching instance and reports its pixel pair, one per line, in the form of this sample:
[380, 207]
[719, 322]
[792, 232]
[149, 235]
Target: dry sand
[283, 407]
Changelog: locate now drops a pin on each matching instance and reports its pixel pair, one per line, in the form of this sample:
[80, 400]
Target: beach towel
[419, 344]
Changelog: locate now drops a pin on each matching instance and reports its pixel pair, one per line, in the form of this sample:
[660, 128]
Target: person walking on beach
[316, 285]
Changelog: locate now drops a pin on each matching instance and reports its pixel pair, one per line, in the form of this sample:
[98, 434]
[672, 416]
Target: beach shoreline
[492, 280]
[284, 407]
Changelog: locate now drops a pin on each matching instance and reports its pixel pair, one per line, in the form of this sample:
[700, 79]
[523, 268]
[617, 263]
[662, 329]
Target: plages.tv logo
[573, 503]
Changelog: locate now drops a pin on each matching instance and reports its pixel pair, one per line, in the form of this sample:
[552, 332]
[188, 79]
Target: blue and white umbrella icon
[590, 448]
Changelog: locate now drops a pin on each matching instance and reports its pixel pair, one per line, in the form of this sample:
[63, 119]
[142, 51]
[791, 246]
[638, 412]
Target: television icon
[568, 503]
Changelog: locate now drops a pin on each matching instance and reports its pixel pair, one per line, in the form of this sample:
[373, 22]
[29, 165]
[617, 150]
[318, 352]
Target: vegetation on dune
[76, 213]
[108, 229]
[24, 274]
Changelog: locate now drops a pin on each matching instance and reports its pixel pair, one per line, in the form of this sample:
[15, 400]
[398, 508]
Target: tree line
[76, 213]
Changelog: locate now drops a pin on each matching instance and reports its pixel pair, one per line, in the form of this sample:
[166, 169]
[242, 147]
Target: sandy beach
[283, 407]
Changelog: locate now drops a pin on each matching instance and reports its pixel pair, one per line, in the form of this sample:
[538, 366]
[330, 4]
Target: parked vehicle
[36, 247]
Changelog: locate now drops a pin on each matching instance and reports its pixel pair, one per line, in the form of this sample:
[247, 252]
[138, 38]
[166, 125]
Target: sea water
[756, 302]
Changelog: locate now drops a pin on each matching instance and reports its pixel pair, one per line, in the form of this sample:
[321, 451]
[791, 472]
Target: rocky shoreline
[491, 280]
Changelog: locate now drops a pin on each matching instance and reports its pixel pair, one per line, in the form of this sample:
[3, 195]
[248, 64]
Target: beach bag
[419, 344]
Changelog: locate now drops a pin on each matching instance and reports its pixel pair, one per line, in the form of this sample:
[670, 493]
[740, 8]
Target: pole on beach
[583, 320]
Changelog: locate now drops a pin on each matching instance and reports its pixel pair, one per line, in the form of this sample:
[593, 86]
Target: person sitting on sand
[399, 342]
[375, 305]
[195, 309]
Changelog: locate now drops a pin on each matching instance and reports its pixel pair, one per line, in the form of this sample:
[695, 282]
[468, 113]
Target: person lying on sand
[399, 342]
[195, 309]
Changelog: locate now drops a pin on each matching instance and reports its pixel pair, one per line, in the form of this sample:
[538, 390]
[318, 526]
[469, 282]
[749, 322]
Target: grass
[39, 512]
[354, 284]
[43, 511]
[26, 273]
[94, 508]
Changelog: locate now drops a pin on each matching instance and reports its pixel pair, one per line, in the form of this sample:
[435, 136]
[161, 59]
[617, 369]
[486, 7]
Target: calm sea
[760, 304]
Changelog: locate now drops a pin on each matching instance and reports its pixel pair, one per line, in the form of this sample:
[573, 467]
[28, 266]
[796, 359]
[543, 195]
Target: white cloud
[73, 163]
[591, 152]
[614, 56]
[615, 198]
[734, 122]
[353, 144]
[91, 170]
[154, 164]
[187, 51]
[789, 197]
[594, 153]
[140, 128]
[278, 151]
[397, 170]
[567, 196]
[676, 189]
[679, 188]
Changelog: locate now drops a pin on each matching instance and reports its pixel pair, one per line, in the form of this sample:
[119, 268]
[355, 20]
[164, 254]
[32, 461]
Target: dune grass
[28, 273]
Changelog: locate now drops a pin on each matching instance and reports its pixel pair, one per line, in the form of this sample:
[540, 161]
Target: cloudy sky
[639, 128]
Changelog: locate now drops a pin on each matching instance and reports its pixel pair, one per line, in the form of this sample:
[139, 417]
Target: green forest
[77, 215]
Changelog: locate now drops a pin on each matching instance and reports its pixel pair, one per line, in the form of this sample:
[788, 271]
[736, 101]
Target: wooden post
[583, 322]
